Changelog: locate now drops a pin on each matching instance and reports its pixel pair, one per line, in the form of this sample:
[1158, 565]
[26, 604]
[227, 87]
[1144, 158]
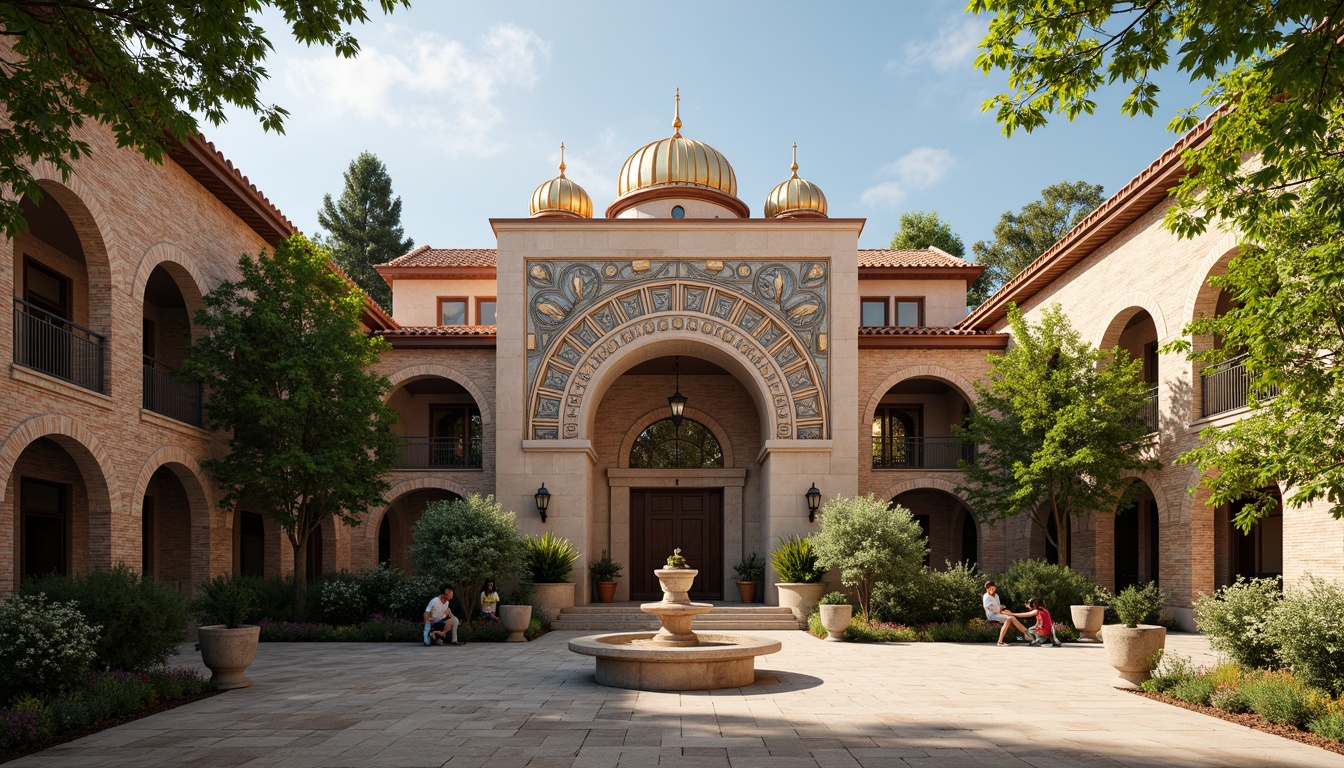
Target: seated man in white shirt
[995, 614]
[439, 618]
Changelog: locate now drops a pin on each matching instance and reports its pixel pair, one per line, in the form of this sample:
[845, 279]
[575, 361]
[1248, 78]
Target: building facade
[553, 360]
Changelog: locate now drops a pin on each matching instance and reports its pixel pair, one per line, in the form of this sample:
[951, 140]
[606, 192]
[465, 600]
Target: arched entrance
[395, 527]
[175, 529]
[949, 530]
[1137, 534]
[1257, 553]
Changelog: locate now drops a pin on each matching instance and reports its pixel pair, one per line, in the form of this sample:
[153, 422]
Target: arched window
[664, 446]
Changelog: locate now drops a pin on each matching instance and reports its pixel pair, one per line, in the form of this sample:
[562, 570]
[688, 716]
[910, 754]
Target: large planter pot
[836, 618]
[746, 591]
[1133, 651]
[606, 591]
[800, 598]
[514, 619]
[1087, 619]
[550, 599]
[676, 584]
[228, 653]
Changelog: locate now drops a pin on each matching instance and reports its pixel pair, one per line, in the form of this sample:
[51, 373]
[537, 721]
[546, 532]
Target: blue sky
[467, 104]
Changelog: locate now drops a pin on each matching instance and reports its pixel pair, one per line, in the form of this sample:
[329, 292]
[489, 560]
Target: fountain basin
[634, 660]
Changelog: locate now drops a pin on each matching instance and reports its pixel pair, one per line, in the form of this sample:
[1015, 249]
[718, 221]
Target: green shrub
[1058, 586]
[1236, 620]
[861, 632]
[1193, 690]
[814, 626]
[469, 540]
[1307, 629]
[796, 562]
[380, 585]
[1172, 669]
[409, 599]
[227, 600]
[870, 542]
[550, 558]
[749, 568]
[952, 595]
[274, 597]
[833, 598]
[68, 715]
[1281, 698]
[1330, 725]
[45, 647]
[343, 600]
[1229, 698]
[143, 620]
[1139, 605]
[604, 568]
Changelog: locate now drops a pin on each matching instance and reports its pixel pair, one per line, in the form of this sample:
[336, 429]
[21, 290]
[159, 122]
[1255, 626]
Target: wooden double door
[664, 519]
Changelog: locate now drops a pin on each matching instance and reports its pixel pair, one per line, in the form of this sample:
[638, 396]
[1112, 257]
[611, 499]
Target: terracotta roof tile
[440, 330]
[922, 257]
[424, 256]
[893, 330]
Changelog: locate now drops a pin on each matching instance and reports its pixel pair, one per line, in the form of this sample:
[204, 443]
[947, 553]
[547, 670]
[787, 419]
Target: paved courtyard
[833, 705]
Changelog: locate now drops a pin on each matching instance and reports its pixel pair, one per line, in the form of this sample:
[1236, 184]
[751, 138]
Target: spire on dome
[793, 167]
[562, 157]
[676, 117]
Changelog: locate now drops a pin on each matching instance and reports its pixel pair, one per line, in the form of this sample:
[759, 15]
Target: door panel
[669, 518]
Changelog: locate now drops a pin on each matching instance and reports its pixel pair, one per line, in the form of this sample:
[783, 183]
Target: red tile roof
[893, 330]
[920, 258]
[439, 330]
[424, 256]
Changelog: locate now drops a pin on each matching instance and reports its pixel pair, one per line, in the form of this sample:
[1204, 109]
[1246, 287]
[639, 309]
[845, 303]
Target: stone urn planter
[1087, 619]
[836, 618]
[606, 591]
[514, 619]
[228, 653]
[550, 599]
[1133, 651]
[746, 591]
[800, 598]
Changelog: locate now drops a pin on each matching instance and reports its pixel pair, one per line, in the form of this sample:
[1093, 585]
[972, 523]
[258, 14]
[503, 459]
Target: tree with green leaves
[870, 542]
[286, 367]
[1021, 237]
[1058, 427]
[364, 226]
[920, 229]
[465, 542]
[144, 69]
[1275, 76]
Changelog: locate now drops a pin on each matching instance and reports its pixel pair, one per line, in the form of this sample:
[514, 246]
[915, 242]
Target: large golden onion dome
[561, 197]
[677, 163]
[795, 197]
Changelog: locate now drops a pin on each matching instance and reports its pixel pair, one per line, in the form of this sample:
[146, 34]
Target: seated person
[996, 615]
[489, 602]
[439, 618]
[1043, 630]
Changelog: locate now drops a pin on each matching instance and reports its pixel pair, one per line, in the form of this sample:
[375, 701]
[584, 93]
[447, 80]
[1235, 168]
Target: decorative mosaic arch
[773, 315]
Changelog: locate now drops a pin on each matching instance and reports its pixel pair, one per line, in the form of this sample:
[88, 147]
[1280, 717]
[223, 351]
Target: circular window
[678, 212]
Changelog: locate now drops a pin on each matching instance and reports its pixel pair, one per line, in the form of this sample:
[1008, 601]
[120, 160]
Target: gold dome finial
[793, 167]
[562, 158]
[676, 117]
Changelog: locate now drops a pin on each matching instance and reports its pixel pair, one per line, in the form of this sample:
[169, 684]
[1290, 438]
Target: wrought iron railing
[1150, 409]
[166, 392]
[921, 453]
[1226, 386]
[53, 345]
[440, 453]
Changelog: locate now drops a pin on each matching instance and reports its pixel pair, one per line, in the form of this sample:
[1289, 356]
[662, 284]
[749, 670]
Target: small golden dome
[561, 197]
[677, 161]
[795, 197]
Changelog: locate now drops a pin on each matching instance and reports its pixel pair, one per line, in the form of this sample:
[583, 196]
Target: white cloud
[919, 168]
[953, 49]
[438, 88]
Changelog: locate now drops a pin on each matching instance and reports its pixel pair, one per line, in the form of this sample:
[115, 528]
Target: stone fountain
[674, 658]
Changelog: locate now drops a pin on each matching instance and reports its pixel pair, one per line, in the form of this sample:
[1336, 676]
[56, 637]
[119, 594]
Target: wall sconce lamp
[813, 502]
[543, 498]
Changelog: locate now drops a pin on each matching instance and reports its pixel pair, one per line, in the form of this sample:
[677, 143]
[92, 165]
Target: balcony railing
[167, 393]
[1150, 409]
[53, 345]
[921, 453]
[1226, 386]
[440, 453]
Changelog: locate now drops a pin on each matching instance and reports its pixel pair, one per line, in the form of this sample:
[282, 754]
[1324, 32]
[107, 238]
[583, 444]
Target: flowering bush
[1281, 698]
[343, 601]
[1236, 620]
[409, 598]
[45, 647]
[1229, 698]
[1307, 629]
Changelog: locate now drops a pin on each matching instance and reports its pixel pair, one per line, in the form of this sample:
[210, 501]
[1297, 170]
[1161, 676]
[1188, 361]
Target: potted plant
[676, 578]
[515, 614]
[1132, 646]
[800, 585]
[228, 643]
[749, 571]
[550, 560]
[836, 614]
[1088, 617]
[604, 572]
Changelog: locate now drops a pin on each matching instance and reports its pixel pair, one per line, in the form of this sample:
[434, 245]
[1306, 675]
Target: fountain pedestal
[675, 658]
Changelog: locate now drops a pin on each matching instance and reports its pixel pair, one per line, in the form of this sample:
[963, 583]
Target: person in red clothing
[1043, 631]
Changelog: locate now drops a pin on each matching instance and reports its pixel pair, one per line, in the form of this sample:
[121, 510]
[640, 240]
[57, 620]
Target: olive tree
[466, 542]
[870, 542]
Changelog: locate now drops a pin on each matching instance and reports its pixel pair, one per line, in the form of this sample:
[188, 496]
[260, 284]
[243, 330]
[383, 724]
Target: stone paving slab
[814, 705]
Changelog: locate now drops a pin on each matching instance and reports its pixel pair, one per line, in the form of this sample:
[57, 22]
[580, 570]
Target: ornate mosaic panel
[773, 314]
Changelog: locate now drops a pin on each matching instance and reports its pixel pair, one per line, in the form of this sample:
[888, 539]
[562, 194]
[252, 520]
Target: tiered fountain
[674, 658]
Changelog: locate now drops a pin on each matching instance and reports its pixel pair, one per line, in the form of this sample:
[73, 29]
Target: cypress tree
[364, 226]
